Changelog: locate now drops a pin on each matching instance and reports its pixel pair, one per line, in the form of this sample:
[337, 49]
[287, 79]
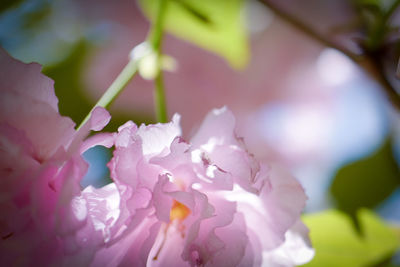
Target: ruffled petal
[296, 250]
[26, 79]
[158, 137]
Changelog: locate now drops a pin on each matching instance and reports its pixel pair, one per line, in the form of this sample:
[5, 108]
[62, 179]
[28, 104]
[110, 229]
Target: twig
[368, 64]
[300, 25]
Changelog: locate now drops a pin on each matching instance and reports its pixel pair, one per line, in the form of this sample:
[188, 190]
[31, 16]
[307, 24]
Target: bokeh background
[297, 101]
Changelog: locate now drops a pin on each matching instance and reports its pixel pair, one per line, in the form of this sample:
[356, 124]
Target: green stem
[155, 39]
[159, 99]
[115, 88]
[156, 33]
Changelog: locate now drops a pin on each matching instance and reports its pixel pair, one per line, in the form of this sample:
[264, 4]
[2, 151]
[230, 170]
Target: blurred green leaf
[6, 4]
[337, 243]
[68, 84]
[376, 15]
[370, 3]
[215, 25]
[36, 17]
[367, 182]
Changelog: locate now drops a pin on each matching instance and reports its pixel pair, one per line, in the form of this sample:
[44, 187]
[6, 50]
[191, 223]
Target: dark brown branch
[398, 70]
[301, 26]
[369, 65]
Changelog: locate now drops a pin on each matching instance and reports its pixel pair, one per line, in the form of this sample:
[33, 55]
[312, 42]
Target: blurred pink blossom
[204, 203]
[40, 167]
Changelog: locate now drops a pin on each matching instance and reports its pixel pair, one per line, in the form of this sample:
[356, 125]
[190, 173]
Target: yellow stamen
[178, 211]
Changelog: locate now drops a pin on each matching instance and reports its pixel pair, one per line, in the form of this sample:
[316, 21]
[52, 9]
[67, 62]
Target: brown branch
[301, 26]
[369, 65]
[398, 70]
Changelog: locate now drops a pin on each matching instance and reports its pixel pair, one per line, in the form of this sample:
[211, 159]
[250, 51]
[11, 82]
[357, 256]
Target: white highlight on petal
[78, 206]
[241, 196]
[219, 111]
[197, 186]
[296, 250]
[196, 156]
[105, 216]
[211, 171]
[209, 147]
[334, 68]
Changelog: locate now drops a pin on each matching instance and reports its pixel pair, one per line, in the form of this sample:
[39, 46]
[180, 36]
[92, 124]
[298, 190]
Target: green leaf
[367, 182]
[381, 5]
[337, 243]
[215, 25]
[7, 4]
[68, 84]
[370, 3]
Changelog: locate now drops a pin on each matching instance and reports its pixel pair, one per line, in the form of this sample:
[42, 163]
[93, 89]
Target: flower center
[178, 211]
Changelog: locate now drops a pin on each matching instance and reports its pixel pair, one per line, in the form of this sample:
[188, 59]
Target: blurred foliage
[337, 243]
[6, 4]
[367, 182]
[30, 32]
[68, 84]
[70, 89]
[34, 19]
[376, 15]
[215, 25]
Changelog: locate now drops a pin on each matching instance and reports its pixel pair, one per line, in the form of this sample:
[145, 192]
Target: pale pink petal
[43, 126]
[123, 165]
[162, 202]
[176, 157]
[101, 139]
[296, 250]
[167, 248]
[41, 172]
[26, 79]
[132, 249]
[158, 137]
[102, 205]
[217, 145]
[278, 206]
[283, 198]
[217, 129]
[28, 103]
[126, 134]
[99, 118]
[231, 210]
[253, 254]
[202, 243]
[235, 240]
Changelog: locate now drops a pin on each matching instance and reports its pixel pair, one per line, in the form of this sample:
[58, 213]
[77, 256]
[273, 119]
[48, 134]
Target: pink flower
[41, 168]
[204, 203]
[172, 203]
